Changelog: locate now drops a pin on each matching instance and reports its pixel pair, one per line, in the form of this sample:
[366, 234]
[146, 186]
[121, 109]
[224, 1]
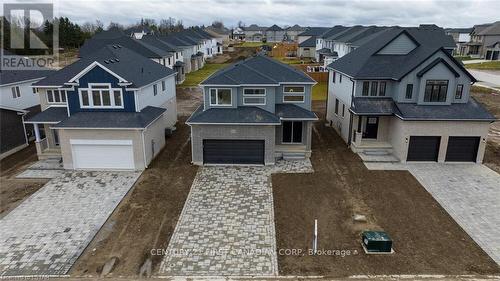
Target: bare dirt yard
[147, 216]
[426, 239]
[14, 191]
[491, 100]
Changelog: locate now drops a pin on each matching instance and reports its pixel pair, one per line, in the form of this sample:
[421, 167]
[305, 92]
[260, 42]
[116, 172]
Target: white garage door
[103, 154]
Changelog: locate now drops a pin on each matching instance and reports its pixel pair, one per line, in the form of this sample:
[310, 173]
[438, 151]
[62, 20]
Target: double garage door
[233, 151]
[103, 154]
[426, 148]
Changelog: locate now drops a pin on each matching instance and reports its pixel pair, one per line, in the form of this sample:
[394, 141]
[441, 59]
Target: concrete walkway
[227, 225]
[470, 193]
[488, 78]
[46, 233]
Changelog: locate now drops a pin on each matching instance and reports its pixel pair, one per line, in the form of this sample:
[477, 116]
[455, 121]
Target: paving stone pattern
[43, 169]
[470, 193]
[46, 233]
[227, 225]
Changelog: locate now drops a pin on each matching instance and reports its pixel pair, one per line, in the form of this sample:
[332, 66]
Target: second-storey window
[435, 90]
[293, 94]
[56, 96]
[374, 88]
[373, 91]
[16, 93]
[458, 93]
[220, 97]
[163, 86]
[366, 88]
[101, 96]
[409, 91]
[155, 90]
[254, 96]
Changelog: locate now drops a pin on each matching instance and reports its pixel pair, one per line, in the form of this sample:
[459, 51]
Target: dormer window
[435, 90]
[101, 96]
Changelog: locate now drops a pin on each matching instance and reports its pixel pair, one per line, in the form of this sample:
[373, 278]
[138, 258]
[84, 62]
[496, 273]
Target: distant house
[107, 111]
[461, 36]
[17, 101]
[484, 41]
[238, 33]
[221, 35]
[254, 112]
[307, 41]
[254, 33]
[275, 34]
[138, 31]
[404, 95]
[292, 33]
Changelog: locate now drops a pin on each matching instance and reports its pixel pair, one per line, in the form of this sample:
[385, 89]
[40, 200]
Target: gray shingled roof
[472, 110]
[254, 27]
[274, 27]
[15, 76]
[257, 70]
[459, 30]
[314, 31]
[286, 111]
[493, 29]
[333, 31]
[116, 37]
[311, 42]
[238, 115]
[363, 63]
[134, 68]
[373, 106]
[50, 115]
[112, 119]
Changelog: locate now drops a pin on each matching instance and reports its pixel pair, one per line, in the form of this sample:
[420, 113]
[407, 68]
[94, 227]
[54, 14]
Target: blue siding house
[108, 110]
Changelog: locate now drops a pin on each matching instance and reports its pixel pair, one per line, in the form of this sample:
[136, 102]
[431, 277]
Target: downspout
[349, 138]
[327, 92]
[144, 149]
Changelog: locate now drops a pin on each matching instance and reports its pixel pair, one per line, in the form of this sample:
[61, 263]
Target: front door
[371, 128]
[56, 137]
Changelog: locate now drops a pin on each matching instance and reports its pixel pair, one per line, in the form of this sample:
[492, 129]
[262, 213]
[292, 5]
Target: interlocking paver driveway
[46, 233]
[227, 225]
[470, 193]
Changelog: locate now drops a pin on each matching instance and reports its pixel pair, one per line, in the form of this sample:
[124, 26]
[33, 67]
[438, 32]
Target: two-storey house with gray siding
[254, 112]
[404, 95]
[109, 110]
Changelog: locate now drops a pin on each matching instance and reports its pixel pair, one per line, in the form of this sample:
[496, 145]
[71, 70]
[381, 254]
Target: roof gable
[436, 62]
[92, 66]
[403, 44]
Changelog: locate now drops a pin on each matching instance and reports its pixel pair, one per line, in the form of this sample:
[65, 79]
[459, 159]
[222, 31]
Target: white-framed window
[163, 86]
[100, 96]
[56, 96]
[254, 96]
[16, 92]
[374, 88]
[221, 97]
[155, 89]
[293, 94]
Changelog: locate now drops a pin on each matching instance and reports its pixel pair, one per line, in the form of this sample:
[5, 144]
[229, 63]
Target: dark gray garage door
[423, 148]
[233, 151]
[462, 149]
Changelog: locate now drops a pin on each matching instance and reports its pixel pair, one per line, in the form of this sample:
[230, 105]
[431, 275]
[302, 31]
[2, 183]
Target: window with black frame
[435, 90]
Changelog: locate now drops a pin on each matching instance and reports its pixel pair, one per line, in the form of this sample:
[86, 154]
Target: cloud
[287, 12]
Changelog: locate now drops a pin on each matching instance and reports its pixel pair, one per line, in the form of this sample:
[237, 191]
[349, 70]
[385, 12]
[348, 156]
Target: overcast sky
[285, 12]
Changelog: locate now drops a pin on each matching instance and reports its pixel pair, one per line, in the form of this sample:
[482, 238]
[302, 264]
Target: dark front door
[488, 55]
[495, 55]
[233, 152]
[423, 148]
[371, 128]
[462, 149]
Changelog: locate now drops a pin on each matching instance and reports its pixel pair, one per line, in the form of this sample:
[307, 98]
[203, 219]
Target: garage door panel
[233, 151]
[102, 156]
[462, 149]
[423, 148]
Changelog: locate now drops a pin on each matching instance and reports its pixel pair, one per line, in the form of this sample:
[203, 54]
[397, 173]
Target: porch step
[378, 156]
[294, 155]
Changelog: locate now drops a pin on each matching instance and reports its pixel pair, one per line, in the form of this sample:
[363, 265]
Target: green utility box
[376, 242]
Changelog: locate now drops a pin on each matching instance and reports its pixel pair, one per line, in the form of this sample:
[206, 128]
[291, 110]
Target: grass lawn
[462, 58]
[319, 91]
[252, 44]
[493, 65]
[194, 78]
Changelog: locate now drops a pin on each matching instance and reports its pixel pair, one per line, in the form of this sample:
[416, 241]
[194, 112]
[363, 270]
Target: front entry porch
[370, 138]
[46, 141]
